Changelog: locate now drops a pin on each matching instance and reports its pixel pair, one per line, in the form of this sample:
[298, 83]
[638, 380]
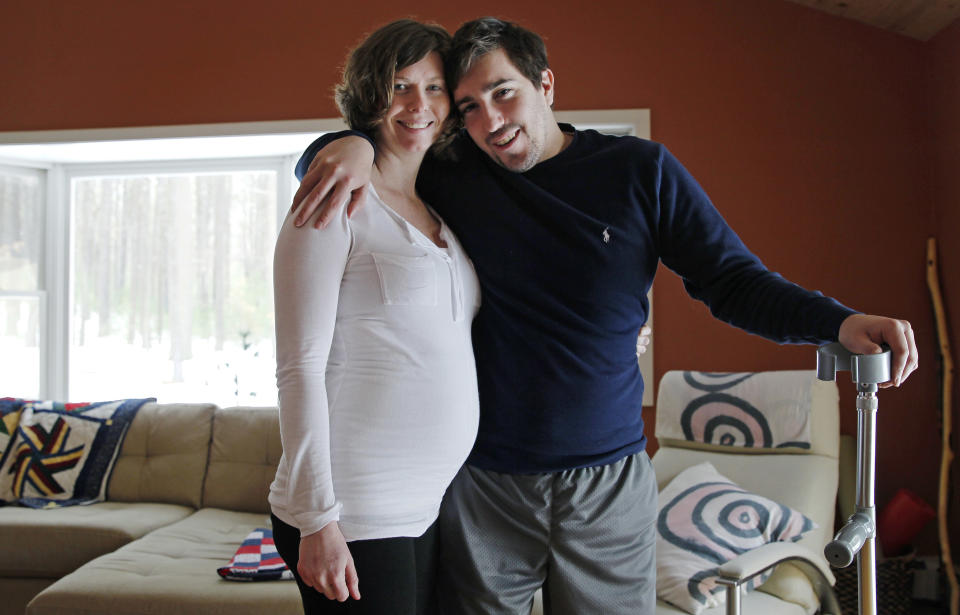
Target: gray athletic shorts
[587, 536]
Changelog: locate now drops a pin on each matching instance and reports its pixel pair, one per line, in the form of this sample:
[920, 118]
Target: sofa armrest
[748, 565]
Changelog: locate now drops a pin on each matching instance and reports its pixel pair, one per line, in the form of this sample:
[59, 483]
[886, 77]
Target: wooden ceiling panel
[919, 19]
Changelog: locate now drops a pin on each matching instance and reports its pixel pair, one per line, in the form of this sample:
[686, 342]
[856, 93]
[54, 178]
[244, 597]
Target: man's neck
[557, 141]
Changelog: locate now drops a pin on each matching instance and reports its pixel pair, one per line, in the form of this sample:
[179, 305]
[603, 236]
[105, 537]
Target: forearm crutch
[858, 537]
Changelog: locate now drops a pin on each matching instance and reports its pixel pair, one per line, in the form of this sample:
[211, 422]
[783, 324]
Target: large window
[172, 290]
[142, 265]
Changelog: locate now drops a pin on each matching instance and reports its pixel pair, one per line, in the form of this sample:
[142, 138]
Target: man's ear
[546, 84]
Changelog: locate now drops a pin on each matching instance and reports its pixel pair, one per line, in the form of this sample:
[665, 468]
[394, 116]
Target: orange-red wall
[945, 128]
[829, 145]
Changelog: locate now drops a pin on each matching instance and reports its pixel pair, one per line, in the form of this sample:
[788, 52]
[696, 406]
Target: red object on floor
[901, 520]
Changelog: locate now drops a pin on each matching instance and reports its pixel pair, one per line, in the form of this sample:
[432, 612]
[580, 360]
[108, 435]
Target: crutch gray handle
[849, 540]
[865, 369]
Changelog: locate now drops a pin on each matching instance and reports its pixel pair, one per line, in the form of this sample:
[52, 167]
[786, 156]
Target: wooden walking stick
[946, 418]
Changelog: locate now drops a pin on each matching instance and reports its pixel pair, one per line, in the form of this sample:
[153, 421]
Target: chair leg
[733, 595]
[733, 600]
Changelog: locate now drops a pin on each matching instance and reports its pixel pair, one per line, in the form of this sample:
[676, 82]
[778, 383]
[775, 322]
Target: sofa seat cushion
[52, 543]
[172, 570]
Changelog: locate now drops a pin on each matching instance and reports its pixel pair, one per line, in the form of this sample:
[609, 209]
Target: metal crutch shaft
[858, 536]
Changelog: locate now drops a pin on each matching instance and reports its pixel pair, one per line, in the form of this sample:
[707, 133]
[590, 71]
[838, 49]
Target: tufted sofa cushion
[172, 570]
[164, 455]
[243, 459]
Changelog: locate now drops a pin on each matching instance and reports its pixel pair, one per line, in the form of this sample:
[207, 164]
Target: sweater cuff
[310, 153]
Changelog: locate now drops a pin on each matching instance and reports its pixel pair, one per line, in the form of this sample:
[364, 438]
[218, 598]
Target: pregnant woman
[378, 390]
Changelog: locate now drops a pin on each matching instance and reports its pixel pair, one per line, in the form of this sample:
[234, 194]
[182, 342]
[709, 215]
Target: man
[565, 229]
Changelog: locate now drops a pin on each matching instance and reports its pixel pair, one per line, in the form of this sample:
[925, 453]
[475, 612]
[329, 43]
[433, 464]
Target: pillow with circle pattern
[705, 520]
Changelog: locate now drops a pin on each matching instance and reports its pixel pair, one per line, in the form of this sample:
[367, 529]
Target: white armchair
[794, 473]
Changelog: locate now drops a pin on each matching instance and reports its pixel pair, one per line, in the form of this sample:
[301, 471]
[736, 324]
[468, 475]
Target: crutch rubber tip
[838, 554]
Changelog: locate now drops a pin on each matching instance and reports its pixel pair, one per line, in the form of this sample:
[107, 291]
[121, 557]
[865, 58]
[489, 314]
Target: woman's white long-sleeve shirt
[378, 388]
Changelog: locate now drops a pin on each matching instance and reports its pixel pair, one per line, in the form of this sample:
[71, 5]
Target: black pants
[397, 575]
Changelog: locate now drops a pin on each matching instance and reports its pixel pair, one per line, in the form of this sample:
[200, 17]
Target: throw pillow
[749, 410]
[62, 454]
[705, 520]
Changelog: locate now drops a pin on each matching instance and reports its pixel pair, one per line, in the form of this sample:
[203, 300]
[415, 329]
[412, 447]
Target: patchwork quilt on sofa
[56, 454]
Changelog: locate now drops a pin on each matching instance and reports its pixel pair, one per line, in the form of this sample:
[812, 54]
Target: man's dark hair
[479, 37]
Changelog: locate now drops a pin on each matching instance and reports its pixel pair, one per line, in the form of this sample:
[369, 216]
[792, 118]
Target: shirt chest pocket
[406, 280]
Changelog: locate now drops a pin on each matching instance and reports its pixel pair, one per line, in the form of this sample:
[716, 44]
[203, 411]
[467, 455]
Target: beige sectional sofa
[190, 483]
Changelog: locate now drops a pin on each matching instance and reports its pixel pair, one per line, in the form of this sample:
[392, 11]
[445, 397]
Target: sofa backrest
[164, 455]
[243, 459]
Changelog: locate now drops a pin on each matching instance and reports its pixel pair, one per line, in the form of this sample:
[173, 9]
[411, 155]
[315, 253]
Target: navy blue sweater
[565, 254]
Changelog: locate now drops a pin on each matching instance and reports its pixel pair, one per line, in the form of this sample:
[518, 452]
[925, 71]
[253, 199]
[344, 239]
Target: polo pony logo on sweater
[606, 235]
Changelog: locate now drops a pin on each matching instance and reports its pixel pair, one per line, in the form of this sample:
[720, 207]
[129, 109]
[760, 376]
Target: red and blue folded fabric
[256, 560]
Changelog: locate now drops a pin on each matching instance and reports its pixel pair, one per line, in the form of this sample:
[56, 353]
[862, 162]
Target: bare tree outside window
[172, 292]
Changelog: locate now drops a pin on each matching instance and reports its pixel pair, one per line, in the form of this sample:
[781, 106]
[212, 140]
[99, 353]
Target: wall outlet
[926, 579]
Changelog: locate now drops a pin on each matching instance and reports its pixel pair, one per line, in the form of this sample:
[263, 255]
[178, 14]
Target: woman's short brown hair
[365, 91]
